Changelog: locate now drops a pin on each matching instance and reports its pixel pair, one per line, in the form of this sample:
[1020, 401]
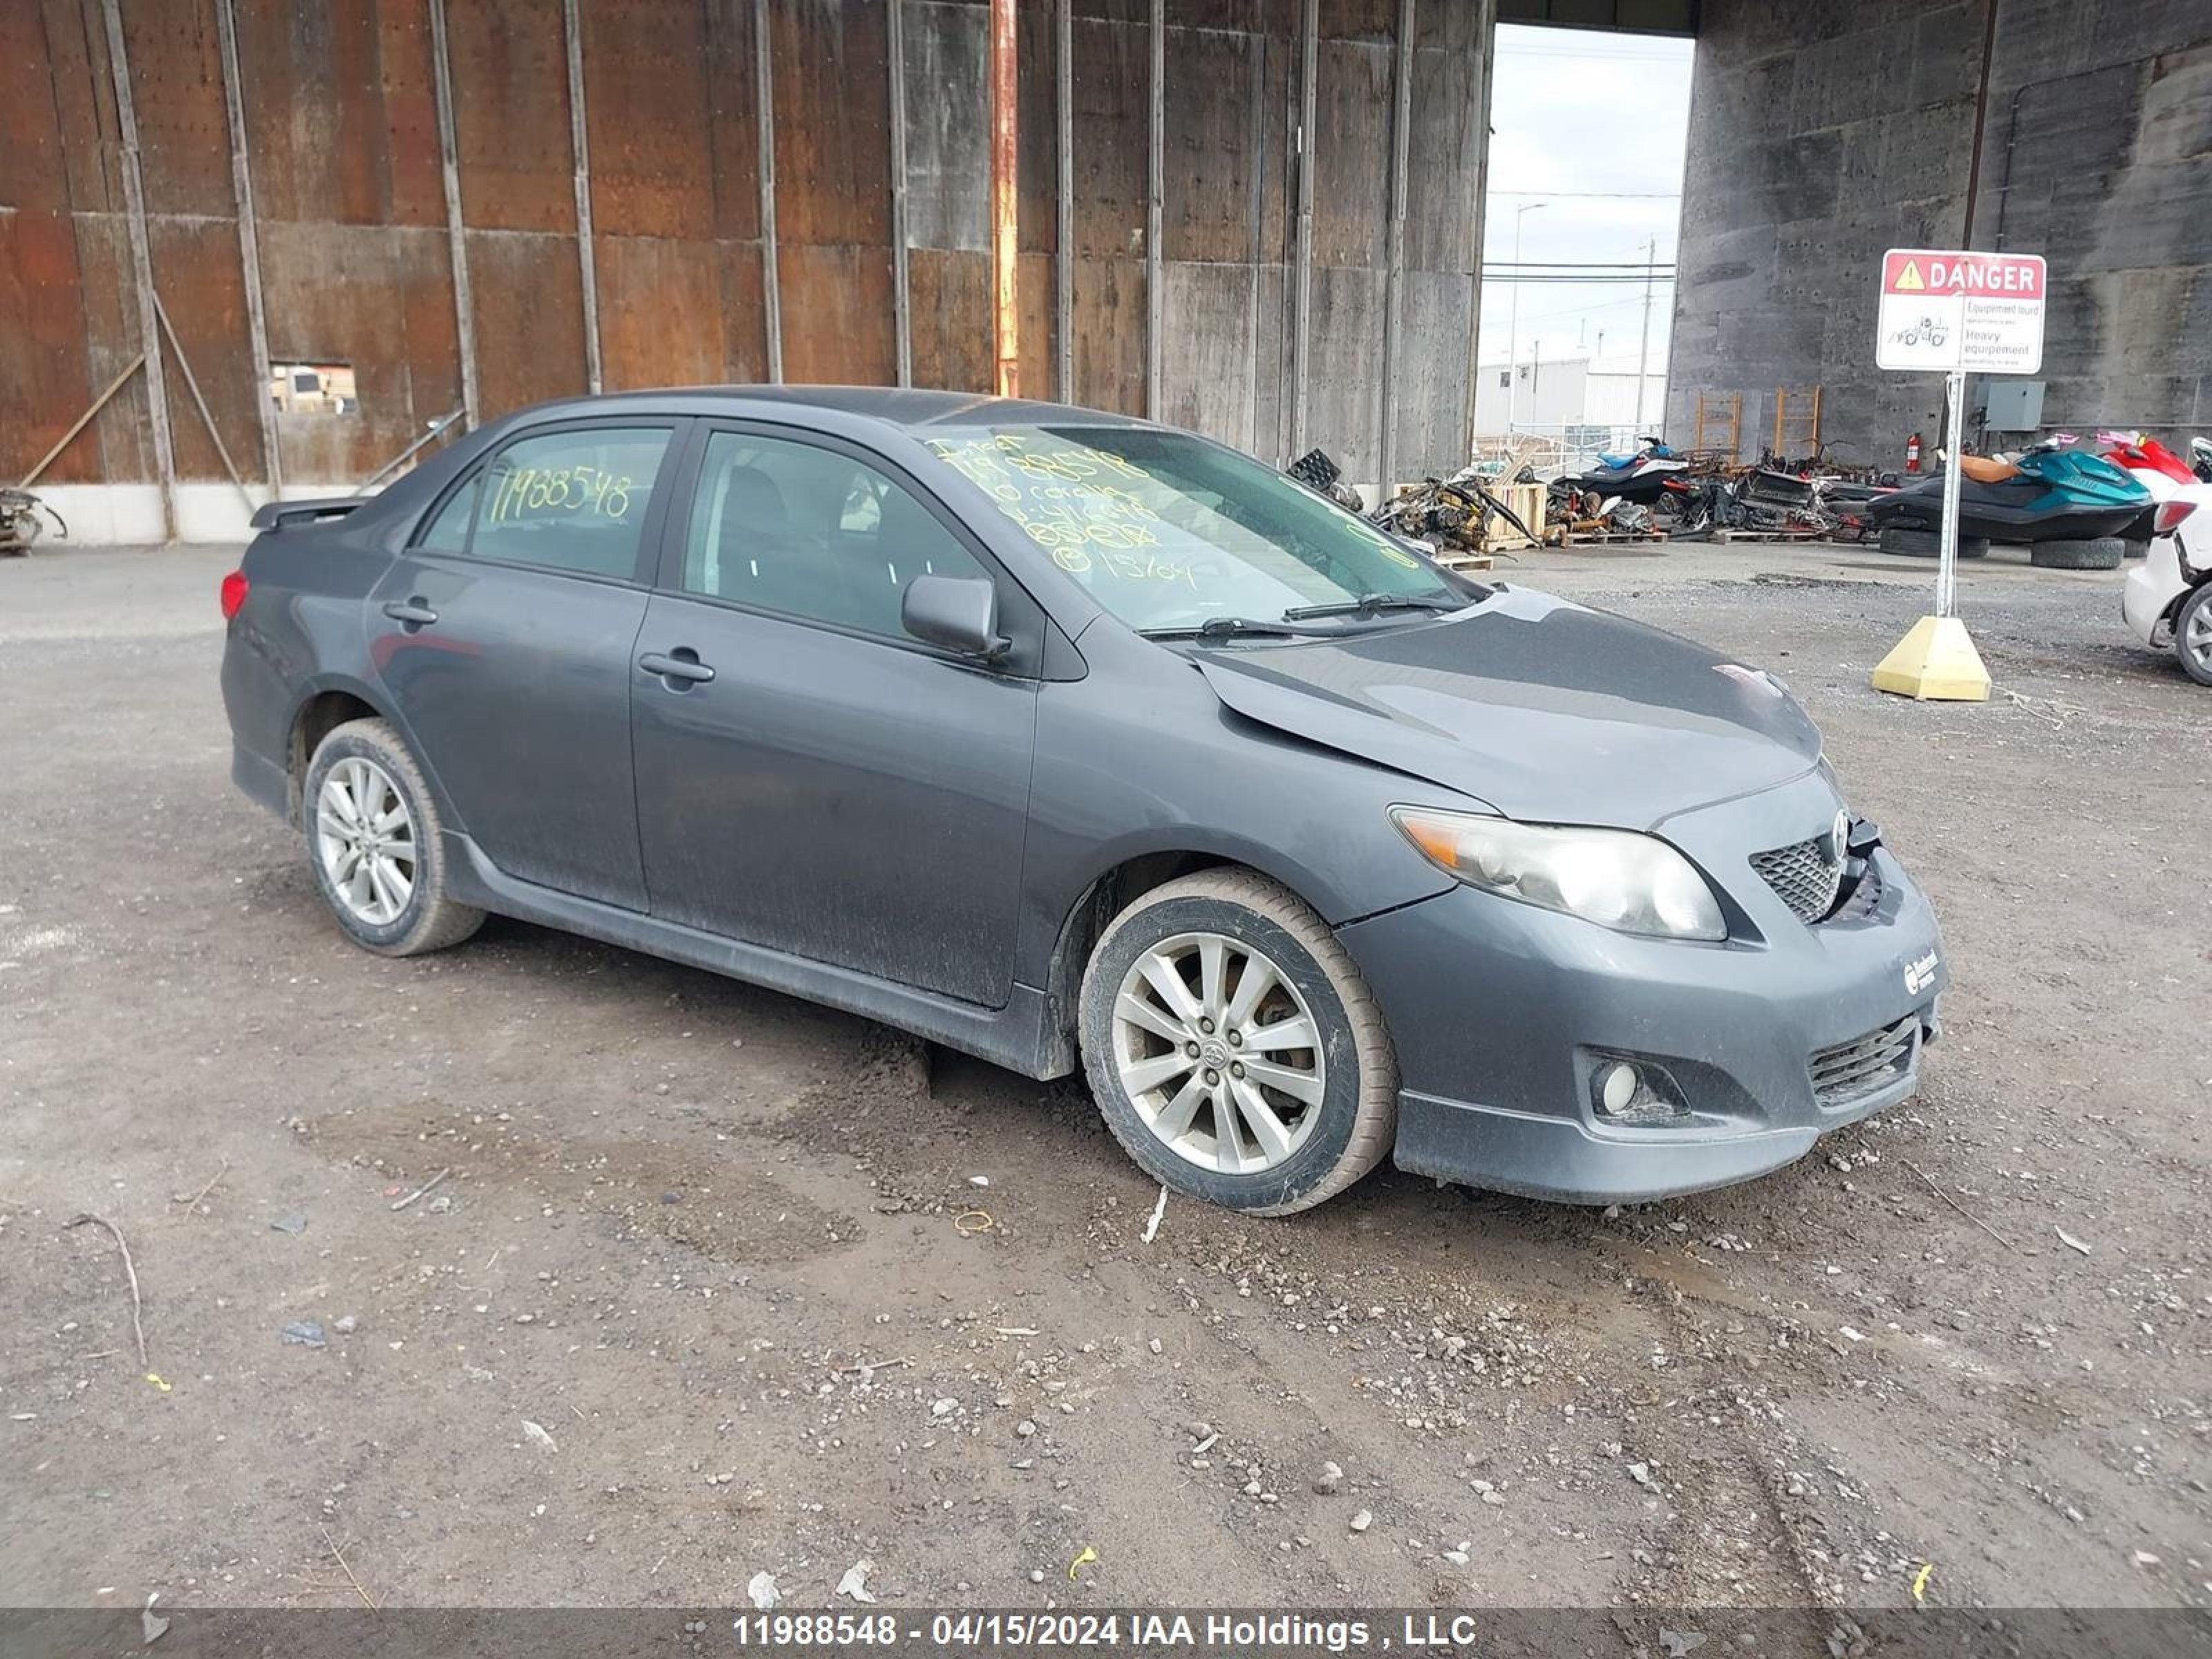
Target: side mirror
[958, 613]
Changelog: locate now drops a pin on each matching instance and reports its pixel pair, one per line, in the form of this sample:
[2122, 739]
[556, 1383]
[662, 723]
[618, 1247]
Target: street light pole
[1513, 326]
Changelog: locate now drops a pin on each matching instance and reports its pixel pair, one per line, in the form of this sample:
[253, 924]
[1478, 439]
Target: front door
[835, 790]
[504, 635]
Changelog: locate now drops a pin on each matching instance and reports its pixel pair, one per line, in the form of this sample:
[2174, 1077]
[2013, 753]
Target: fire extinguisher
[1912, 453]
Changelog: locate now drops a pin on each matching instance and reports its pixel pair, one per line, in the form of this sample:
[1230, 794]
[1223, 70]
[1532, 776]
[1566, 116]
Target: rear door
[504, 635]
[836, 789]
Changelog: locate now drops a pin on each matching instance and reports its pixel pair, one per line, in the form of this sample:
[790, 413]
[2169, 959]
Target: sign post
[1960, 313]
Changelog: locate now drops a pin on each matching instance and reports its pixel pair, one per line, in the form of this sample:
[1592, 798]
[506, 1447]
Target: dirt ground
[733, 1257]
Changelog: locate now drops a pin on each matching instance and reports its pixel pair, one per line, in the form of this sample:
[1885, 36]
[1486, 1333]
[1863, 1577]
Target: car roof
[907, 408]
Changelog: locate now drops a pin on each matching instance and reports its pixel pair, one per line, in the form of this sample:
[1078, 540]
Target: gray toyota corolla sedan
[1070, 739]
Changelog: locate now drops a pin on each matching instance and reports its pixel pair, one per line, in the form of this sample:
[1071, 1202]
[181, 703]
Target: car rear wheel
[375, 845]
[2192, 635]
[1233, 1048]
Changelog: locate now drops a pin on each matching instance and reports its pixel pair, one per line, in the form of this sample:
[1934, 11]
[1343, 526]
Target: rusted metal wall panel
[121, 446]
[837, 315]
[1109, 332]
[197, 273]
[341, 118]
[176, 89]
[675, 145]
[950, 302]
[674, 134]
[44, 378]
[832, 107]
[529, 318]
[509, 64]
[661, 312]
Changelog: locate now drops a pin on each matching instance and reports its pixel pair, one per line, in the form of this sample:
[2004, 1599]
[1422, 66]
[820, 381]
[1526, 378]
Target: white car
[2168, 599]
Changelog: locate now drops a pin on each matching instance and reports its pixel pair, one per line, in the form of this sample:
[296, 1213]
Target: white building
[1557, 395]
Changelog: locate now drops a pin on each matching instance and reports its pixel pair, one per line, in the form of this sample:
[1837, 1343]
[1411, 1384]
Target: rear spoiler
[276, 514]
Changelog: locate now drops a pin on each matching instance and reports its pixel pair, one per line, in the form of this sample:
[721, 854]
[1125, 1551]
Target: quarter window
[809, 532]
[449, 531]
[570, 500]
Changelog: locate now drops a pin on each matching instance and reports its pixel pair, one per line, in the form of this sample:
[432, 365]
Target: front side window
[570, 500]
[809, 532]
[1167, 530]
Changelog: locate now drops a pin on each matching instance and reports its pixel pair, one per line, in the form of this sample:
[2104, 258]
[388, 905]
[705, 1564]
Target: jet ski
[1639, 479]
[2048, 495]
[2153, 465]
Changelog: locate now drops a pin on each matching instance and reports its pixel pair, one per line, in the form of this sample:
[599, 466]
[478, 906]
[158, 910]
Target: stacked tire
[1927, 544]
[2100, 553]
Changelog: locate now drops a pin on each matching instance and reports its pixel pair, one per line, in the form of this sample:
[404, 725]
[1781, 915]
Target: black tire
[1929, 543]
[1356, 1115]
[429, 920]
[2102, 553]
[2195, 610]
[2132, 549]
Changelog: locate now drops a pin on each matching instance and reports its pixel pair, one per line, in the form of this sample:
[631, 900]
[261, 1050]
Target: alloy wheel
[365, 837]
[2197, 637]
[1219, 1053]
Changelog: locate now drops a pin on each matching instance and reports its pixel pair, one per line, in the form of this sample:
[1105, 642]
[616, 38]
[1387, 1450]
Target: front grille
[1802, 876]
[1851, 1071]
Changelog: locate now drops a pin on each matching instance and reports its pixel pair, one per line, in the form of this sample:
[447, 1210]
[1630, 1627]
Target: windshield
[1168, 531]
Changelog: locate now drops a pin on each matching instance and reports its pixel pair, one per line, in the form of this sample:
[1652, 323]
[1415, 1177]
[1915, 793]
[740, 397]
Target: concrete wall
[1821, 134]
[339, 114]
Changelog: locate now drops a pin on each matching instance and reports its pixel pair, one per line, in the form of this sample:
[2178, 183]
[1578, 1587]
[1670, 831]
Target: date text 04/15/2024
[958, 1631]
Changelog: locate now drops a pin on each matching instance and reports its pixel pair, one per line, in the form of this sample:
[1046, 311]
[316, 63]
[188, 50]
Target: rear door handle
[681, 664]
[413, 613]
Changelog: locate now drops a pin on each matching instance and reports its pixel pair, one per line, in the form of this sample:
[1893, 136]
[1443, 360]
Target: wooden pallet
[1456, 560]
[1730, 537]
[1603, 537]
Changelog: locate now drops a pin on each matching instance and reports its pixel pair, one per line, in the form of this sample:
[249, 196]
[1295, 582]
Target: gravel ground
[711, 1284]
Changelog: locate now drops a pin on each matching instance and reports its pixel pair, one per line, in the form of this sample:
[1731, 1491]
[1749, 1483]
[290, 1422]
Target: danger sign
[1946, 310]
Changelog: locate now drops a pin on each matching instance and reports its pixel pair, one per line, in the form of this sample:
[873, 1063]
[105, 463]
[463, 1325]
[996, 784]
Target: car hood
[1541, 708]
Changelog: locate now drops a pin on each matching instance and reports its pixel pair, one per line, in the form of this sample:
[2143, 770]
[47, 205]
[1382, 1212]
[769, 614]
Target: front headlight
[1632, 882]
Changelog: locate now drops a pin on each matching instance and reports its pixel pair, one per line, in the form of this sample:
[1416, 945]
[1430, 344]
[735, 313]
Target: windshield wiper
[1226, 628]
[1367, 602]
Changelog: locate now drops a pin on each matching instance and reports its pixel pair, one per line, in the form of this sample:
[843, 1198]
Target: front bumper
[1501, 1013]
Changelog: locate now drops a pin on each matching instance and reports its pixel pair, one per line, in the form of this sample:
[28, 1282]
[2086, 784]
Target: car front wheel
[1233, 1048]
[374, 842]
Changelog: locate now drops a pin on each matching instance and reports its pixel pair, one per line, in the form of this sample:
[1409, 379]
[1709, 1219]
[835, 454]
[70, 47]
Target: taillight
[2170, 515]
[234, 593]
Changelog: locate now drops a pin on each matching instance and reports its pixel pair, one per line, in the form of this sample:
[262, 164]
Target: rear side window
[573, 499]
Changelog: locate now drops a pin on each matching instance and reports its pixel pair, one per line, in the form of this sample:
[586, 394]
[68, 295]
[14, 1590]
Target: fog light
[1616, 1087]
[1635, 1093]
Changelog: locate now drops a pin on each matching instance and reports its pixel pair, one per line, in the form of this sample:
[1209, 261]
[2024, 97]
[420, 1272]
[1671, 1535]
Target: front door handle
[681, 664]
[411, 611]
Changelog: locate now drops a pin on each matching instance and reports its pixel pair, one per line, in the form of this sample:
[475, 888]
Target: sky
[1574, 111]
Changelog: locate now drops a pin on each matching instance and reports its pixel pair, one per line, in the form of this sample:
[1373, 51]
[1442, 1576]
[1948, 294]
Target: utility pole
[1513, 324]
[1644, 351]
